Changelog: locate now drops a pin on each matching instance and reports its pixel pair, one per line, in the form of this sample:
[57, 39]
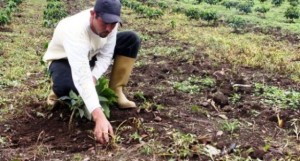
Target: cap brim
[110, 18]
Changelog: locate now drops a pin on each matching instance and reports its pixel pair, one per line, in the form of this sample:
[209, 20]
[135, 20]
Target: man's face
[99, 27]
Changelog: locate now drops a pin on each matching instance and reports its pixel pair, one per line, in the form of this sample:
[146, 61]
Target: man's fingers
[110, 130]
[106, 137]
[99, 137]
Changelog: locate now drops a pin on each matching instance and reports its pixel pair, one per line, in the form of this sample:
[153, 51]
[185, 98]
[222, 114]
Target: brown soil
[40, 134]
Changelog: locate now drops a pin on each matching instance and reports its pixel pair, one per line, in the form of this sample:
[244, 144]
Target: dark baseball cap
[108, 10]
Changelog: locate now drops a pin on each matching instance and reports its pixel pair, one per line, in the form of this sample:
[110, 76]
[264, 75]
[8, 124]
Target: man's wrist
[97, 114]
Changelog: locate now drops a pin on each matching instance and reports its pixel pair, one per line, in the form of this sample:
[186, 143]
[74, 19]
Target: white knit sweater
[73, 39]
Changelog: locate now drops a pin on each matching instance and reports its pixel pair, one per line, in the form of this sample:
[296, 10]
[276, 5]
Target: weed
[194, 84]
[198, 110]
[236, 97]
[77, 157]
[296, 130]
[173, 24]
[140, 95]
[230, 126]
[2, 140]
[181, 144]
[136, 136]
[152, 147]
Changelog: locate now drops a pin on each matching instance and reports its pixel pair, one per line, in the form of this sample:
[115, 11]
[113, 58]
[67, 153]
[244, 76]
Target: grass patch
[278, 97]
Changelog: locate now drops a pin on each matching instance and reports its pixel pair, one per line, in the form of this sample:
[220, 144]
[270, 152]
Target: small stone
[86, 159]
[227, 108]
[219, 133]
[157, 119]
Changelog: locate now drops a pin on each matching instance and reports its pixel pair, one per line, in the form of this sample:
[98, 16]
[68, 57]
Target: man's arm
[77, 51]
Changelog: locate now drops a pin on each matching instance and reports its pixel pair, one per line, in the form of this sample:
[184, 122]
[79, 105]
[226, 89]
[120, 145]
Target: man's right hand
[102, 126]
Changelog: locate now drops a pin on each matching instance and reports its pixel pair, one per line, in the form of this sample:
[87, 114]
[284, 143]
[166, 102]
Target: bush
[178, 9]
[212, 2]
[277, 3]
[17, 1]
[230, 4]
[262, 1]
[4, 18]
[292, 13]
[294, 2]
[236, 23]
[199, 1]
[209, 16]
[262, 9]
[54, 12]
[193, 13]
[245, 7]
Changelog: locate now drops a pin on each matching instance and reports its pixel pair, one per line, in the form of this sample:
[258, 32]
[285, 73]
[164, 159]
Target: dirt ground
[45, 135]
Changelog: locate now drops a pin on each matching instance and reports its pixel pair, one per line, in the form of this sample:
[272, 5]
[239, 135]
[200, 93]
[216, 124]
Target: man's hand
[102, 127]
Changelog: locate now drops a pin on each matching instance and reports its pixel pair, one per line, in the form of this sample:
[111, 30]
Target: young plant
[106, 97]
[76, 105]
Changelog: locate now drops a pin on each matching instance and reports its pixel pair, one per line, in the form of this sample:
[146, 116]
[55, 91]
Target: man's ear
[93, 13]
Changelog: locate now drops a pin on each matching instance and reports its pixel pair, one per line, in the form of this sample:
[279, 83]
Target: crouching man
[81, 50]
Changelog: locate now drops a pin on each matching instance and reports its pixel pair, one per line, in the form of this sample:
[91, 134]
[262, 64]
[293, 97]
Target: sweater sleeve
[77, 51]
[105, 54]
